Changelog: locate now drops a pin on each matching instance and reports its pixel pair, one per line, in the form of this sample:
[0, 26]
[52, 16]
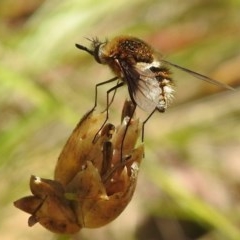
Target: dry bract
[93, 182]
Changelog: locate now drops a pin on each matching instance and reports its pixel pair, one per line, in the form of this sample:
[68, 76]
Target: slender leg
[96, 90]
[128, 111]
[125, 132]
[108, 92]
[145, 121]
[113, 96]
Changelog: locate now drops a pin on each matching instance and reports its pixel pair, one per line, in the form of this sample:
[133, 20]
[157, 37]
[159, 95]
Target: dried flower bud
[48, 206]
[94, 181]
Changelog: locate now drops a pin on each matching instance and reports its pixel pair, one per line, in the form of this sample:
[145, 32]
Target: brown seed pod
[48, 206]
[94, 181]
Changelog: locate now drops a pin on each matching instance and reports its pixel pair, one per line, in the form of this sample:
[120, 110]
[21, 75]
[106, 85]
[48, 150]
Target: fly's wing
[199, 75]
[143, 86]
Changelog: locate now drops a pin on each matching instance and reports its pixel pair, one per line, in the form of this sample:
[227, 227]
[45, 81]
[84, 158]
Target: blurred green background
[189, 184]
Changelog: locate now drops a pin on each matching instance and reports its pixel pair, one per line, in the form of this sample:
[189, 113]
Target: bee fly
[145, 72]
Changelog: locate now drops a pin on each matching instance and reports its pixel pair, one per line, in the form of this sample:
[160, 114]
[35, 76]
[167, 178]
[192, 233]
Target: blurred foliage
[192, 165]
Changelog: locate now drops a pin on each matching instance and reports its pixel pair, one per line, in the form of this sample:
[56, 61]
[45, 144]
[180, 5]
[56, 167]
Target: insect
[143, 69]
[145, 72]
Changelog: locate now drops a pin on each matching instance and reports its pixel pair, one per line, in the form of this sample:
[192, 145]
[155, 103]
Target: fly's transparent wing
[143, 86]
[199, 75]
[147, 92]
